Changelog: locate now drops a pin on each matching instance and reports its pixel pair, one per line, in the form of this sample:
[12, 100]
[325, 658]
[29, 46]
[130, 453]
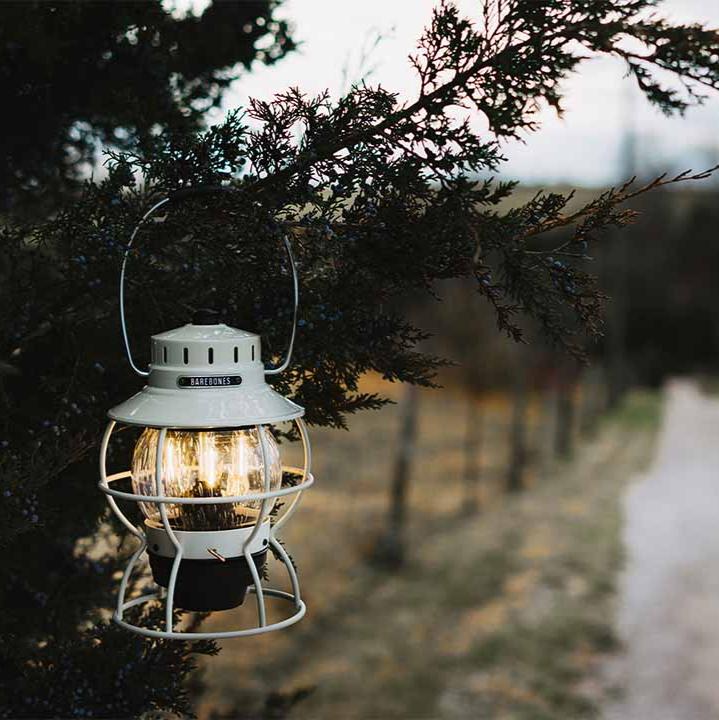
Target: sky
[584, 147]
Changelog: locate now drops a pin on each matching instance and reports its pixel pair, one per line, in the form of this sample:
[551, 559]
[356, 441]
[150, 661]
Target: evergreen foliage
[79, 76]
[380, 198]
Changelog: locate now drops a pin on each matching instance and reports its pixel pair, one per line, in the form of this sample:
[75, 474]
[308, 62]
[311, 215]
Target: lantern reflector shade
[154, 407]
[206, 376]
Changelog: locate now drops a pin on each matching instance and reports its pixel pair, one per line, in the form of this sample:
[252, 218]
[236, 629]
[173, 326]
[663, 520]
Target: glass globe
[206, 463]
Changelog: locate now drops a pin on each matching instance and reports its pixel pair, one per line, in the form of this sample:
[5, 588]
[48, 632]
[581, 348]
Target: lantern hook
[179, 195]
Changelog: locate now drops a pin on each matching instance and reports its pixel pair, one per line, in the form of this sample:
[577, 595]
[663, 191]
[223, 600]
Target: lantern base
[207, 585]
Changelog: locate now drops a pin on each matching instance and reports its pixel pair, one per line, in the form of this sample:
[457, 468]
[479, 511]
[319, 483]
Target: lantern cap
[193, 332]
[206, 376]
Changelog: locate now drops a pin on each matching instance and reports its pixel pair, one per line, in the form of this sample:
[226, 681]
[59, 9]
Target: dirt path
[669, 595]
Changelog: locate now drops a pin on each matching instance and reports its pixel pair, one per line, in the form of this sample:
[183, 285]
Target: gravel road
[668, 609]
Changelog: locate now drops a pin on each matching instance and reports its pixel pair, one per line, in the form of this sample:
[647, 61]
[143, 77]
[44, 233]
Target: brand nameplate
[208, 381]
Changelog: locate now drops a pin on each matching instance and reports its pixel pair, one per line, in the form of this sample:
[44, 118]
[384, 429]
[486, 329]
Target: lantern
[206, 471]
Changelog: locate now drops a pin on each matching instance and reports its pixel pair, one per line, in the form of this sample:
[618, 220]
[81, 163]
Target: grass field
[506, 613]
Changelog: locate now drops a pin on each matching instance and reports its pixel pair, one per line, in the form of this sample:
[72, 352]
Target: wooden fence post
[472, 456]
[390, 549]
[564, 437]
[518, 433]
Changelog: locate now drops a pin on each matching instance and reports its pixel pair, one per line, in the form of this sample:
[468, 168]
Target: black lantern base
[207, 585]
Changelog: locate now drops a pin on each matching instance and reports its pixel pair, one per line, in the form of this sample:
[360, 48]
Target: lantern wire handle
[178, 195]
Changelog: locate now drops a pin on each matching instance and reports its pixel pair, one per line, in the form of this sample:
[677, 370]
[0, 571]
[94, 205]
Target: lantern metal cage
[206, 377]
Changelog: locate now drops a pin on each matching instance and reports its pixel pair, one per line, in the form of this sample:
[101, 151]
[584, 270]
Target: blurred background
[465, 552]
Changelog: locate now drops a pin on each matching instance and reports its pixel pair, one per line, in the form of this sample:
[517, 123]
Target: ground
[668, 610]
[506, 613]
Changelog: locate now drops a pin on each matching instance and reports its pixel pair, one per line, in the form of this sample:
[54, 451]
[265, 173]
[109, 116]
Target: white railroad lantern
[206, 471]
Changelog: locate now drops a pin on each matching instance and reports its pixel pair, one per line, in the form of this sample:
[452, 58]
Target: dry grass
[503, 614]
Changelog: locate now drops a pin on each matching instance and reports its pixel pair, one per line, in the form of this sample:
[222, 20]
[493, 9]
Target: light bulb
[206, 463]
